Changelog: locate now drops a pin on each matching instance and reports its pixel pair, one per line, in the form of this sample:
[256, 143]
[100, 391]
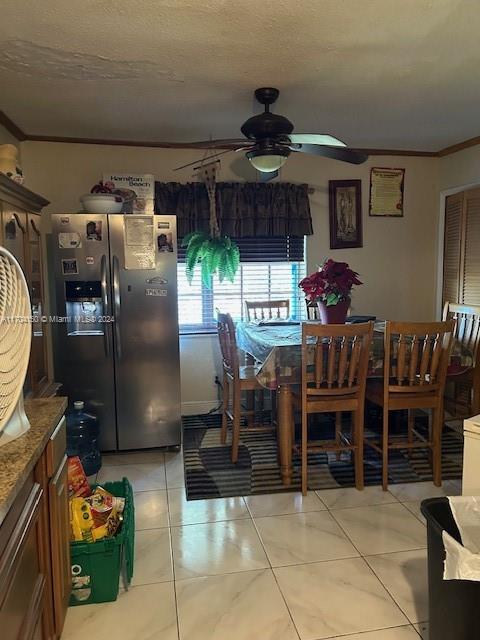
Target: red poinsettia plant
[331, 284]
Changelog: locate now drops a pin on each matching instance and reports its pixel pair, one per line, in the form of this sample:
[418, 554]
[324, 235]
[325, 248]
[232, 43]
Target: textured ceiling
[375, 73]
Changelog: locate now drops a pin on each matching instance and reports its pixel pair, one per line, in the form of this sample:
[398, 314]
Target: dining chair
[267, 310]
[312, 310]
[462, 391]
[264, 310]
[236, 379]
[335, 382]
[415, 368]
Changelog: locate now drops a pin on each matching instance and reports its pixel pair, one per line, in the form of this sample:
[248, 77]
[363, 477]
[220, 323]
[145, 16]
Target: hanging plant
[216, 254]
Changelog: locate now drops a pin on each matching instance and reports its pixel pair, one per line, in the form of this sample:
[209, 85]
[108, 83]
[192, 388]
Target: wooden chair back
[266, 309]
[417, 356]
[340, 363]
[228, 343]
[312, 310]
[467, 325]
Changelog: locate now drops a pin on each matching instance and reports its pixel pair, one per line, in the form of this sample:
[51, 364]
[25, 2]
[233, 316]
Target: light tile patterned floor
[338, 563]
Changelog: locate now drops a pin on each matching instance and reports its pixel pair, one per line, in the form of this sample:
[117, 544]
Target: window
[270, 269]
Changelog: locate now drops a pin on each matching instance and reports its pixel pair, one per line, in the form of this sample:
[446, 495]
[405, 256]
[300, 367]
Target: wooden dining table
[277, 346]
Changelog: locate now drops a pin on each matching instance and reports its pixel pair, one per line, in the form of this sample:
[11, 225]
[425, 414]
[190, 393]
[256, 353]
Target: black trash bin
[454, 605]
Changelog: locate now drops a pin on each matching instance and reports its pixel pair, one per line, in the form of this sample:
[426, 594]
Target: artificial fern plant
[215, 254]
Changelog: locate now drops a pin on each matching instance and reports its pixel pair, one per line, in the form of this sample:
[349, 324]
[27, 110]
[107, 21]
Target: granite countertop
[17, 458]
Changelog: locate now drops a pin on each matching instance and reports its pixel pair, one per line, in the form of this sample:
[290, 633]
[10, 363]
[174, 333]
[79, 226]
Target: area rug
[209, 472]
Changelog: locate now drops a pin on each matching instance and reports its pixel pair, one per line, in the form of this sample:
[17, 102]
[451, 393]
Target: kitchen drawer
[56, 447]
[22, 584]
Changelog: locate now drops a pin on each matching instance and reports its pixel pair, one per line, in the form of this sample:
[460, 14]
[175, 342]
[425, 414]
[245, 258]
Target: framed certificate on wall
[386, 192]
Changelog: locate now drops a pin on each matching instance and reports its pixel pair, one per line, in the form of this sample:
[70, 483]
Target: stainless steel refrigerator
[115, 333]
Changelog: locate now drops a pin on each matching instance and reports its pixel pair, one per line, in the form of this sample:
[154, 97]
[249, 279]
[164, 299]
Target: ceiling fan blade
[215, 144]
[316, 138]
[266, 177]
[336, 153]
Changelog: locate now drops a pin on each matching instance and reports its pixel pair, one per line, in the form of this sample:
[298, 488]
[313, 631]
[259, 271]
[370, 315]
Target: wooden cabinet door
[15, 238]
[44, 552]
[60, 544]
[14, 233]
[22, 581]
[38, 359]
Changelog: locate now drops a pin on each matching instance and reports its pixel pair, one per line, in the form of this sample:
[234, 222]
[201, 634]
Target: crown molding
[22, 136]
[12, 128]
[19, 196]
[471, 142]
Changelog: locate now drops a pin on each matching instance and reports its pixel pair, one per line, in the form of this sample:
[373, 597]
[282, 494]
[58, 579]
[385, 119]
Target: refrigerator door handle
[116, 306]
[103, 283]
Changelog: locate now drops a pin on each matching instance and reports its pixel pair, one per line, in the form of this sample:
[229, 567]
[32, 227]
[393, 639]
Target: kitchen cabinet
[60, 544]
[20, 233]
[22, 577]
[34, 533]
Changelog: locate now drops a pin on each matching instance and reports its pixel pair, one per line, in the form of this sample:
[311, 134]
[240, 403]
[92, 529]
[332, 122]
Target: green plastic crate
[96, 567]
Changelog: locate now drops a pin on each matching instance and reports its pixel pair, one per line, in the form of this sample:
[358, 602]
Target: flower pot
[335, 313]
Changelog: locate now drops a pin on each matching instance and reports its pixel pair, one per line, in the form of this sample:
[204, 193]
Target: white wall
[460, 169]
[397, 262]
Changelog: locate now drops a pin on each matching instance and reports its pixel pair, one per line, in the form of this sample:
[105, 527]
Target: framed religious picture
[345, 211]
[386, 192]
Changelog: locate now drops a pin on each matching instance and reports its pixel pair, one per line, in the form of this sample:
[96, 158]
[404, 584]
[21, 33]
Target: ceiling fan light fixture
[268, 160]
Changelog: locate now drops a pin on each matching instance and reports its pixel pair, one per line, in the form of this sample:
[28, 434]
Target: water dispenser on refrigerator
[84, 307]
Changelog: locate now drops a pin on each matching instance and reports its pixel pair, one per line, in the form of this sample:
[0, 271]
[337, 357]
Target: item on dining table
[77, 480]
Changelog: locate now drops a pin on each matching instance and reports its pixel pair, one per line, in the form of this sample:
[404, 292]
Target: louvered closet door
[470, 284]
[452, 248]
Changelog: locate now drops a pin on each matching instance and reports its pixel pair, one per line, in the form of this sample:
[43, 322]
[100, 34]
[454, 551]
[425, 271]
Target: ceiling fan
[269, 140]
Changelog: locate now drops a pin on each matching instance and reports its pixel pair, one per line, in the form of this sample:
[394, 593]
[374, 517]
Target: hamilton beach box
[142, 185]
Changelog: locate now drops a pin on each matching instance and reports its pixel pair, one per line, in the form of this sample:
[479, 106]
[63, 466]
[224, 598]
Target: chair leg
[430, 436]
[437, 427]
[273, 401]
[249, 361]
[226, 400]
[251, 408]
[338, 431]
[358, 420]
[385, 449]
[411, 425]
[304, 452]
[236, 421]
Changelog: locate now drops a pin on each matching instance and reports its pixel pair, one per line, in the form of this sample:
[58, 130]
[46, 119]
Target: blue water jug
[82, 438]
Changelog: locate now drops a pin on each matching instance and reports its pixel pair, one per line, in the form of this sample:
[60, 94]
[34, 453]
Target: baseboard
[199, 407]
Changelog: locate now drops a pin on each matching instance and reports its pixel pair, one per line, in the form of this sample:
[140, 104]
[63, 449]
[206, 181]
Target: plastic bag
[462, 561]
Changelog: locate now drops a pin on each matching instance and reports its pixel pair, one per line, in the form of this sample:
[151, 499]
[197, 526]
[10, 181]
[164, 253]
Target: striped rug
[209, 473]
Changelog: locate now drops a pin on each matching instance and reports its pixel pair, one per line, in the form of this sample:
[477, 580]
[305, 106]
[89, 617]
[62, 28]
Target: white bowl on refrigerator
[101, 203]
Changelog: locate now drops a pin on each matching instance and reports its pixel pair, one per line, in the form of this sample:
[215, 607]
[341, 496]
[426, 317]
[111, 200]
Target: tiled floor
[338, 563]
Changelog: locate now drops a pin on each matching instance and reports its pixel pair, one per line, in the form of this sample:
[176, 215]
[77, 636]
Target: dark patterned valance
[244, 209]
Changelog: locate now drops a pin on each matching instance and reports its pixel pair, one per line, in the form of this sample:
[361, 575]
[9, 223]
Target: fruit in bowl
[101, 199]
